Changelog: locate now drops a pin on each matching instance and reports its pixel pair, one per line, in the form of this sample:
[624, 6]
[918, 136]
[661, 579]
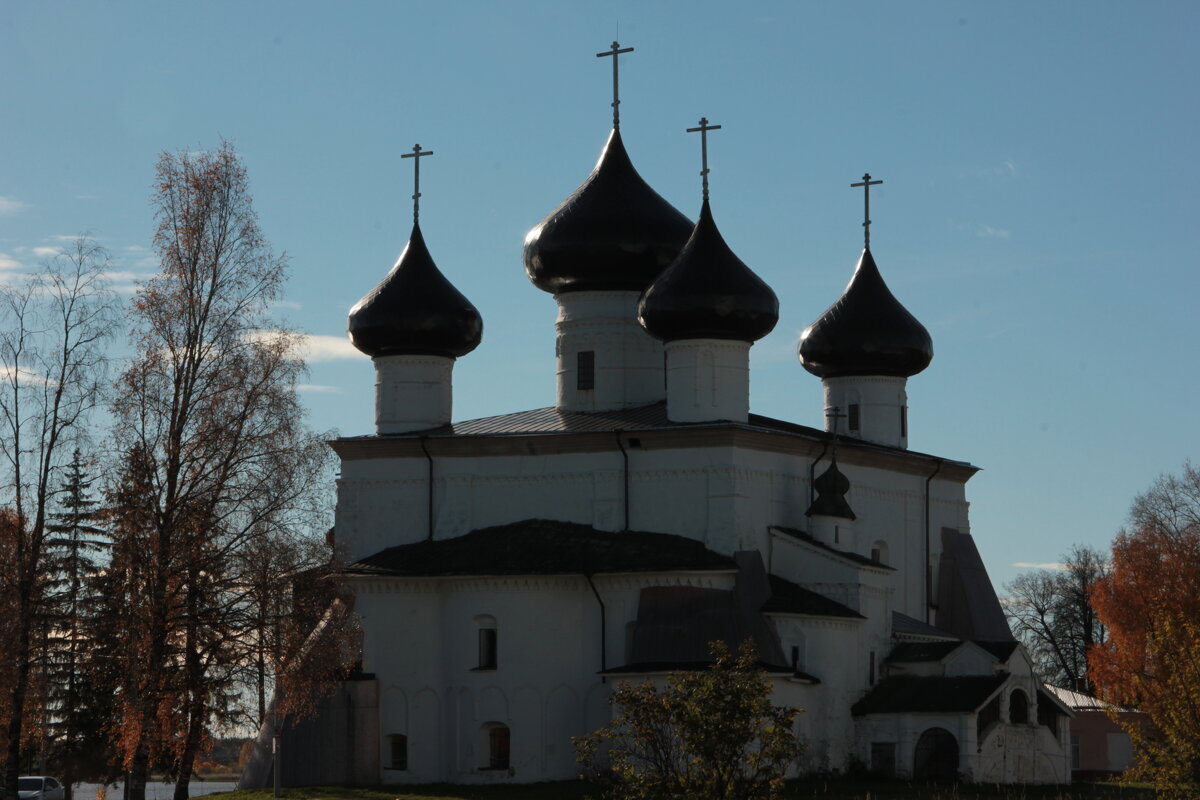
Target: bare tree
[1051, 612]
[54, 325]
[215, 457]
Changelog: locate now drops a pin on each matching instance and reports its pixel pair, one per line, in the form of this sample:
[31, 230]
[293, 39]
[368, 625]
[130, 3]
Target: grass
[840, 789]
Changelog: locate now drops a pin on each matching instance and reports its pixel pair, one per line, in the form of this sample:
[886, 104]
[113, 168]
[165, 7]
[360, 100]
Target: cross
[704, 129]
[616, 103]
[416, 154]
[867, 183]
[834, 414]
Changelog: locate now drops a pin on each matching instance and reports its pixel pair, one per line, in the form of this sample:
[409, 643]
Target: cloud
[9, 205]
[8, 262]
[24, 375]
[988, 232]
[318, 388]
[1047, 565]
[315, 348]
[292, 304]
[46, 252]
[328, 348]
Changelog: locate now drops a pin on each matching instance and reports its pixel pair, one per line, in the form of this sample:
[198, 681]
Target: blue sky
[1039, 165]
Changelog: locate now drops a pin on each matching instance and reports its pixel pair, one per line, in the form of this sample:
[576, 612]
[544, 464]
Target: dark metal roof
[906, 694]
[415, 311]
[866, 332]
[904, 624]
[708, 293]
[831, 488]
[543, 547]
[647, 667]
[917, 652]
[1001, 650]
[855, 557]
[614, 232]
[788, 598]
[967, 604]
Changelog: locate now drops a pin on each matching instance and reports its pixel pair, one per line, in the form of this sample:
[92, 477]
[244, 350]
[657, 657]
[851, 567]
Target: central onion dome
[613, 233]
[415, 311]
[866, 332]
[708, 293]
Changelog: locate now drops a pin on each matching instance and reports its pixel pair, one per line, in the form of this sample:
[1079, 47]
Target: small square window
[585, 369]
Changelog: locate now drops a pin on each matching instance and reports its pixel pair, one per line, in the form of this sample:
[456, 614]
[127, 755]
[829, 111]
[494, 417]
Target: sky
[1039, 164]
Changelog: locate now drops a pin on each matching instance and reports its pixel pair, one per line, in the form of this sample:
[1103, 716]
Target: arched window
[936, 756]
[485, 626]
[1018, 708]
[494, 745]
[879, 551]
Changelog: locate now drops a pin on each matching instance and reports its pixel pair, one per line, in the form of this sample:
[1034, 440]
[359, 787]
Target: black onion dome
[415, 311]
[708, 293]
[831, 488]
[613, 233]
[866, 332]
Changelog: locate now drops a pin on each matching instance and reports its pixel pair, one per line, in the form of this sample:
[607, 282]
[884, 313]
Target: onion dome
[831, 488]
[613, 233]
[708, 293]
[415, 311]
[866, 332]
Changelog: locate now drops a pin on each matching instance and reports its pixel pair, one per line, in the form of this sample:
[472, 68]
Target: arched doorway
[936, 756]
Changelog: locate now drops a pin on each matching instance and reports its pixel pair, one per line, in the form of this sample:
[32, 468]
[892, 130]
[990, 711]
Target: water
[155, 790]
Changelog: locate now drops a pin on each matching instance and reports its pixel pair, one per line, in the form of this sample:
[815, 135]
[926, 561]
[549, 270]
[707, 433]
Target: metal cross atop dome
[616, 103]
[867, 183]
[704, 129]
[416, 155]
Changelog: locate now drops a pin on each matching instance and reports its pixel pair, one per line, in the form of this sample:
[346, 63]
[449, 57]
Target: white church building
[510, 571]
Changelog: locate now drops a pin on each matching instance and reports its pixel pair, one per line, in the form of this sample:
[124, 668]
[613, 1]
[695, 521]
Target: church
[509, 571]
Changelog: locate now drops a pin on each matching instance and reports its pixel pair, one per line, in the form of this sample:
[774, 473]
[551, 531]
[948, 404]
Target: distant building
[510, 570]
[1099, 746]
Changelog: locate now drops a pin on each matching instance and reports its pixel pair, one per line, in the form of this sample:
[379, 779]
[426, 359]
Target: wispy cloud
[8, 262]
[1047, 565]
[292, 304]
[984, 231]
[1005, 170]
[318, 388]
[314, 347]
[46, 252]
[10, 205]
[24, 375]
[328, 348]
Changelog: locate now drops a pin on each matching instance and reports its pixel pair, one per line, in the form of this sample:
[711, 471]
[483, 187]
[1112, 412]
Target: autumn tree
[1053, 614]
[54, 325]
[1150, 602]
[707, 735]
[215, 459]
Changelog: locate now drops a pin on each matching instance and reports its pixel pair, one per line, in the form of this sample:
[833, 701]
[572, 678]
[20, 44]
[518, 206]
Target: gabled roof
[543, 547]
[913, 694]
[854, 558]
[1001, 650]
[789, 598]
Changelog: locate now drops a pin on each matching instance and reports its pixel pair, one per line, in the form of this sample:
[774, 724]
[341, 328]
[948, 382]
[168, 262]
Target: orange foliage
[1150, 601]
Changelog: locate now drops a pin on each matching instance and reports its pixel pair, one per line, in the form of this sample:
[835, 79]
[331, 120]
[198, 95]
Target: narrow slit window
[487, 648]
[585, 369]
[904, 421]
[852, 417]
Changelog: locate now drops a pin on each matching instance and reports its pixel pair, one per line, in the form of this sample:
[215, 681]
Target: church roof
[652, 417]
[907, 693]
[843, 554]
[904, 625]
[789, 598]
[916, 652]
[613, 233]
[543, 547]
